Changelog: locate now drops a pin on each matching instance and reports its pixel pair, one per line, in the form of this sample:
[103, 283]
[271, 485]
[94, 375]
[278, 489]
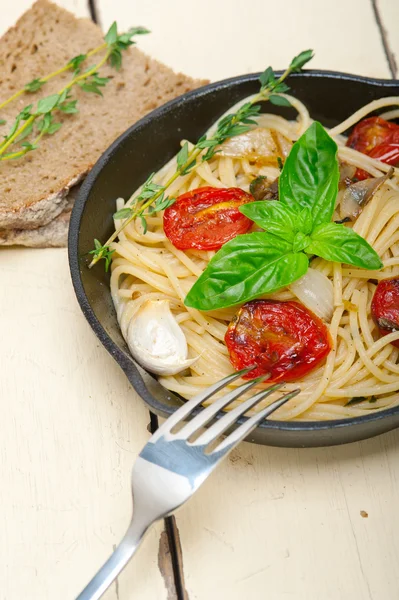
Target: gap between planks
[170, 551]
[92, 6]
[389, 55]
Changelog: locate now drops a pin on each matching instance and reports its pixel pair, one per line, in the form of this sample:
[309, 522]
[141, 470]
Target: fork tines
[225, 421]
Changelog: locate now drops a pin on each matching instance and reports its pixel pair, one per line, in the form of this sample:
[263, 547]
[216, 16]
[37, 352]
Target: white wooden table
[270, 523]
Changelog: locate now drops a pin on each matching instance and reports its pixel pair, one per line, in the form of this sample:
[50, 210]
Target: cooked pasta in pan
[279, 251]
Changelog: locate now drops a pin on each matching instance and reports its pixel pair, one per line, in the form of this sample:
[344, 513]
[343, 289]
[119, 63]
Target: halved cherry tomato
[369, 133]
[284, 339]
[206, 218]
[385, 307]
[376, 138]
[388, 153]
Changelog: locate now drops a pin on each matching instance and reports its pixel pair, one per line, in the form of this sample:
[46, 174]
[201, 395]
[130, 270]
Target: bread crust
[33, 189]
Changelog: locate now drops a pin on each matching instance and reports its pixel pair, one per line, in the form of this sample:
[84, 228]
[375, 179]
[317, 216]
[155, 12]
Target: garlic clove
[316, 291]
[156, 340]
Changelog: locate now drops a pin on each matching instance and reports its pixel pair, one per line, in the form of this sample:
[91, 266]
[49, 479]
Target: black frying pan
[147, 146]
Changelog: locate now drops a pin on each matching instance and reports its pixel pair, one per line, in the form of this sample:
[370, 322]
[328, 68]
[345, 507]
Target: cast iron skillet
[145, 147]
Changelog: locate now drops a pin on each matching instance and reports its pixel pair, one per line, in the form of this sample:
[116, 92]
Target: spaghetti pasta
[361, 364]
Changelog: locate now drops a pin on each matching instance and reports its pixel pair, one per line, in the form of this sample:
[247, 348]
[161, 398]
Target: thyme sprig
[152, 197]
[40, 120]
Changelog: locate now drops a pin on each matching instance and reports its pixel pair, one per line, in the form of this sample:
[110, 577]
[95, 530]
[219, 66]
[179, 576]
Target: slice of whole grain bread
[52, 235]
[34, 189]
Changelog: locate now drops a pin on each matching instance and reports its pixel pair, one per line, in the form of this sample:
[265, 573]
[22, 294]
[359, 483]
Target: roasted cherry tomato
[387, 152]
[284, 339]
[369, 133]
[385, 307]
[206, 218]
[377, 138]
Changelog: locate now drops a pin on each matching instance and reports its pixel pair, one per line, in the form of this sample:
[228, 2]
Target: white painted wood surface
[389, 13]
[270, 523]
[218, 38]
[70, 430]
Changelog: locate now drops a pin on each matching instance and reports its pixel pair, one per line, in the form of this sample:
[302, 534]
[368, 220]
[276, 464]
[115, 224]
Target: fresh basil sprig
[243, 268]
[296, 226]
[311, 174]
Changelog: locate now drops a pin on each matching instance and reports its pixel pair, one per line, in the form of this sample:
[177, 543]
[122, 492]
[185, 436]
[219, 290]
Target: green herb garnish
[229, 126]
[39, 121]
[106, 253]
[296, 226]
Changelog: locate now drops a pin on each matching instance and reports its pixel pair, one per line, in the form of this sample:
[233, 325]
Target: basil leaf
[310, 175]
[274, 217]
[340, 244]
[305, 221]
[247, 267]
[278, 219]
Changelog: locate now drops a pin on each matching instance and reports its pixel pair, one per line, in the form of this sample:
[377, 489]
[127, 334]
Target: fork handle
[114, 565]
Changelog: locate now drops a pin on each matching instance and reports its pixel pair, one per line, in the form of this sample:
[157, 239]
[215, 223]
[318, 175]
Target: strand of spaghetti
[371, 390]
[226, 172]
[131, 253]
[363, 223]
[207, 323]
[348, 361]
[209, 178]
[393, 240]
[286, 128]
[156, 281]
[363, 373]
[376, 371]
[184, 257]
[363, 112]
[195, 183]
[390, 114]
[371, 165]
[362, 314]
[389, 230]
[337, 282]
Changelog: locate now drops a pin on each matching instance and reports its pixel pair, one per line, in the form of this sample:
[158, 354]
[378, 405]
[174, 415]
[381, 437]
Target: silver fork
[170, 468]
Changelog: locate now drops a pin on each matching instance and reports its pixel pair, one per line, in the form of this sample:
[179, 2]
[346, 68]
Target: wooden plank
[11, 11]
[388, 13]
[272, 522]
[71, 429]
[218, 40]
[286, 523]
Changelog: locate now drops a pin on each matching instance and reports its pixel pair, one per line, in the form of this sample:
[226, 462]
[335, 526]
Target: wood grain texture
[283, 523]
[270, 523]
[388, 11]
[219, 39]
[71, 429]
